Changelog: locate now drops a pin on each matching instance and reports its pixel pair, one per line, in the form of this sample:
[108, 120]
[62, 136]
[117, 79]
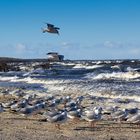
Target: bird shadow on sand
[120, 125]
[27, 119]
[100, 127]
[42, 120]
[88, 129]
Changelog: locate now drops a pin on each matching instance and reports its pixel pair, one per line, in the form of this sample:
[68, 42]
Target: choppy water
[102, 78]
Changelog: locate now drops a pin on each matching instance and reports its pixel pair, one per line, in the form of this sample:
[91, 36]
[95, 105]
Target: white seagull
[56, 117]
[92, 116]
[134, 119]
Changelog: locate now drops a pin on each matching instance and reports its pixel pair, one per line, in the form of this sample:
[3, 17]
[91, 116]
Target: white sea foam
[55, 86]
[38, 71]
[48, 81]
[98, 62]
[81, 66]
[114, 75]
[8, 78]
[64, 64]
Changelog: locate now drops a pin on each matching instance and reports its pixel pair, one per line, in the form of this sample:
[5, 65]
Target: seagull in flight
[51, 29]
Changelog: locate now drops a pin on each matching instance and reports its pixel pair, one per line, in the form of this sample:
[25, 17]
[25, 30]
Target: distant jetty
[54, 56]
[11, 64]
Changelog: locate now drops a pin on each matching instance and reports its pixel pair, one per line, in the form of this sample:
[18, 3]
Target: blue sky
[89, 29]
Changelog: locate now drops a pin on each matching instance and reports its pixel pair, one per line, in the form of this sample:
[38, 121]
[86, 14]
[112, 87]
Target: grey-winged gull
[51, 29]
[92, 116]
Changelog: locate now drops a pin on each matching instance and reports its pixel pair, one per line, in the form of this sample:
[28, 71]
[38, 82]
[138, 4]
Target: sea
[114, 79]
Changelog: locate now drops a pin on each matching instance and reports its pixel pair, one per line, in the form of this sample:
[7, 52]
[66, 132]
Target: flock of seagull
[58, 109]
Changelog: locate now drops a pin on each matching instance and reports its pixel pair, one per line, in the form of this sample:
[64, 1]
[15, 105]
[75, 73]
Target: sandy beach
[16, 127]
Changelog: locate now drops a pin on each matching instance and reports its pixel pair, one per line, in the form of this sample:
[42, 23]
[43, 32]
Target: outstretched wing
[51, 29]
[50, 25]
[57, 28]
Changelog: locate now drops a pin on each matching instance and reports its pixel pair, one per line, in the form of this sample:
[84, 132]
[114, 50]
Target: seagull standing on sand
[56, 117]
[17, 106]
[134, 119]
[27, 111]
[109, 109]
[51, 29]
[74, 113]
[31, 110]
[132, 112]
[92, 116]
[1, 108]
[120, 115]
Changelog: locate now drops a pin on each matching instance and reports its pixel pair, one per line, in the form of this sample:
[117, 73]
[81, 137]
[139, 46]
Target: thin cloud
[70, 44]
[73, 50]
[20, 48]
[135, 51]
[111, 44]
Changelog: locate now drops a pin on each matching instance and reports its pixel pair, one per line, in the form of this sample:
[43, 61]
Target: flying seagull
[50, 29]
